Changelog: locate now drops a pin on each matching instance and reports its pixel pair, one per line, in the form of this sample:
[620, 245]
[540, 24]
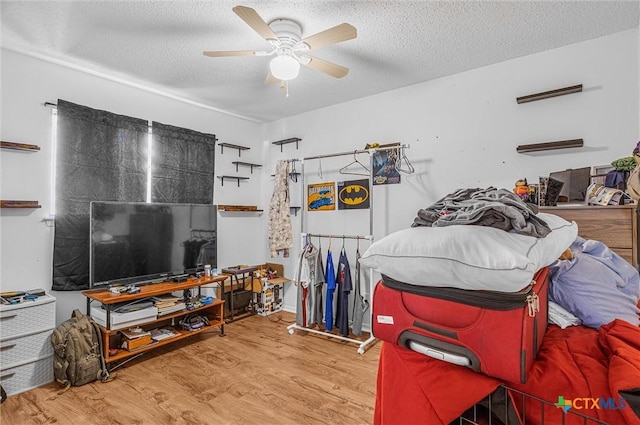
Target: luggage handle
[407, 337]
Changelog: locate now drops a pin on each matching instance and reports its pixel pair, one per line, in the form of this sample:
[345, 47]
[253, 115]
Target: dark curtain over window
[101, 156]
[183, 165]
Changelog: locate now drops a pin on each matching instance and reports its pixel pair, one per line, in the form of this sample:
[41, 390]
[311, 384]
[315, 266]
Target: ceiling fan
[288, 46]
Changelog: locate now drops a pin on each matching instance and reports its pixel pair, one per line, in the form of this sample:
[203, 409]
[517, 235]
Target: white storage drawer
[16, 351]
[26, 354]
[27, 317]
[28, 376]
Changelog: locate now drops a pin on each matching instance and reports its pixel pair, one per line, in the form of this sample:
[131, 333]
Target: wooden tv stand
[110, 337]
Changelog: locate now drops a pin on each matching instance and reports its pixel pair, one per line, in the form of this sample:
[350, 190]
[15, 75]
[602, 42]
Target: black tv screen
[145, 242]
[576, 181]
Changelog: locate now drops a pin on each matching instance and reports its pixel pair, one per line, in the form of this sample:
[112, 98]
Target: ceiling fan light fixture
[284, 67]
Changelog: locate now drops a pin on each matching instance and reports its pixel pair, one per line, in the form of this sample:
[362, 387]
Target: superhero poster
[353, 194]
[321, 197]
[384, 167]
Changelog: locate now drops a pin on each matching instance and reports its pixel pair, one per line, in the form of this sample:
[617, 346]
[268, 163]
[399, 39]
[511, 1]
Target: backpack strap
[103, 374]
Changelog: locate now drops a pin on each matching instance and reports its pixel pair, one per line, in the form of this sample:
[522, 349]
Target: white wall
[26, 242]
[463, 130]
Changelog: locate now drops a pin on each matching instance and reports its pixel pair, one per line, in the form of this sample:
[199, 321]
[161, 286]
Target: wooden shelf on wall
[549, 94]
[286, 141]
[19, 146]
[230, 208]
[292, 175]
[547, 146]
[4, 203]
[232, 146]
[246, 164]
[237, 178]
[239, 209]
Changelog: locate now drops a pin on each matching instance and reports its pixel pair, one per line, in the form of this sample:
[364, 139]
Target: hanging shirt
[330, 278]
[280, 233]
[308, 275]
[316, 305]
[360, 304]
[344, 286]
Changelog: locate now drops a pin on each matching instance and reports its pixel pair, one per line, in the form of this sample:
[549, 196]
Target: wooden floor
[257, 374]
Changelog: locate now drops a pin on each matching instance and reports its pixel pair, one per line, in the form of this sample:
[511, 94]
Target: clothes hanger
[403, 157]
[293, 172]
[343, 170]
[309, 246]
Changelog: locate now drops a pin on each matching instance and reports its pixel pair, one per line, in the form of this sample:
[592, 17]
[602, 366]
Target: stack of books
[167, 304]
[135, 338]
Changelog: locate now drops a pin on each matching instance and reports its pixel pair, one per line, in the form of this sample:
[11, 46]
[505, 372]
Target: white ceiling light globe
[284, 67]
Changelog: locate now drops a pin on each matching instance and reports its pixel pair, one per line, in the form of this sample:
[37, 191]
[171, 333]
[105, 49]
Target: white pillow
[469, 256]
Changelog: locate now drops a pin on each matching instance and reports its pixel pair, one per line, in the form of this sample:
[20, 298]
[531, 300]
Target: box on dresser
[614, 226]
[25, 344]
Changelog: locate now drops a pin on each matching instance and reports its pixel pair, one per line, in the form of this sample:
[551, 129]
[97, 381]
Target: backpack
[633, 183]
[78, 357]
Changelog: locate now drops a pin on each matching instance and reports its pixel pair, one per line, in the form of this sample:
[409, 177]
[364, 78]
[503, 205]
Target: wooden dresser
[615, 226]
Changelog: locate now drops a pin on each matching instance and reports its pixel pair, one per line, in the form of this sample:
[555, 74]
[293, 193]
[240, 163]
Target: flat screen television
[575, 184]
[138, 243]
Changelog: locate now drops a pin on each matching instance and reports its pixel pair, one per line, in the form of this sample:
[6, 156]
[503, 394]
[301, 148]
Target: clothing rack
[291, 328]
[316, 235]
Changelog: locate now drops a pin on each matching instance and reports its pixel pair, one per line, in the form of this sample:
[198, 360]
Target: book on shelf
[162, 333]
[162, 311]
[134, 333]
[165, 300]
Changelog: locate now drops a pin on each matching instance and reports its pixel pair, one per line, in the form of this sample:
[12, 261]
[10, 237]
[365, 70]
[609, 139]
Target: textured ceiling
[159, 44]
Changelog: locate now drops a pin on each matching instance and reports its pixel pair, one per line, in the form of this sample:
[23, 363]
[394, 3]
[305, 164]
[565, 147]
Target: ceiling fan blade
[271, 79]
[225, 53]
[326, 67]
[254, 20]
[337, 34]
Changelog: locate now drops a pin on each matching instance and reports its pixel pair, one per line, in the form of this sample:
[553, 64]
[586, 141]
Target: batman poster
[353, 194]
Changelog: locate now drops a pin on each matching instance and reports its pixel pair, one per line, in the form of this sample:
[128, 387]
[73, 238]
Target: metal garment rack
[291, 328]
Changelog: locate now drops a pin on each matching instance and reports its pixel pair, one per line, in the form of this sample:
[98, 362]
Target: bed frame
[492, 410]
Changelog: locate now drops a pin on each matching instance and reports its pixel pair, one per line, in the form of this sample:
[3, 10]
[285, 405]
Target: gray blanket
[499, 208]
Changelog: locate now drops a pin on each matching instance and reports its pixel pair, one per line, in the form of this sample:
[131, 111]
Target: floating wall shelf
[562, 144]
[245, 208]
[246, 164]
[232, 178]
[292, 175]
[256, 212]
[239, 209]
[232, 146]
[286, 141]
[19, 204]
[19, 146]
[549, 94]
